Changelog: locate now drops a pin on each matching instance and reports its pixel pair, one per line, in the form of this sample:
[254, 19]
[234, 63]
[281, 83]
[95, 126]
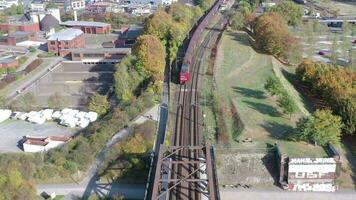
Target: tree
[14, 186]
[99, 104]
[322, 128]
[291, 11]
[272, 34]
[26, 102]
[237, 20]
[150, 54]
[288, 105]
[57, 101]
[274, 86]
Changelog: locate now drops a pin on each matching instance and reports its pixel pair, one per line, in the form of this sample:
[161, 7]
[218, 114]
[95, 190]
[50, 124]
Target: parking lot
[12, 132]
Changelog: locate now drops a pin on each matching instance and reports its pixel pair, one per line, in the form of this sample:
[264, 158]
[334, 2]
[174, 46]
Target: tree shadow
[293, 79]
[263, 108]
[350, 143]
[240, 37]
[279, 131]
[270, 162]
[258, 94]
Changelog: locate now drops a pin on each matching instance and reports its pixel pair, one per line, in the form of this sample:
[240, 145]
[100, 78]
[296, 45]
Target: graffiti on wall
[322, 187]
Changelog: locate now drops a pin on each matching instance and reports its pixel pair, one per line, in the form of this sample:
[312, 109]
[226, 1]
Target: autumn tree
[322, 128]
[291, 12]
[99, 104]
[335, 85]
[272, 34]
[150, 55]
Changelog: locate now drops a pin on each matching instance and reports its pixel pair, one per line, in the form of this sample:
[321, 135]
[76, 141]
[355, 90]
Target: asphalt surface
[13, 131]
[91, 184]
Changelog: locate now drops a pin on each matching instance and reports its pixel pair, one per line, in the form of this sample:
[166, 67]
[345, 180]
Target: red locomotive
[184, 74]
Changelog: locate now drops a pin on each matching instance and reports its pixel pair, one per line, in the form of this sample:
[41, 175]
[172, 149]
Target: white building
[77, 4]
[8, 3]
[34, 144]
[37, 5]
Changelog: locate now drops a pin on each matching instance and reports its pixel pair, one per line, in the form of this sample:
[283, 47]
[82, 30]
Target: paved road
[277, 194]
[32, 77]
[90, 184]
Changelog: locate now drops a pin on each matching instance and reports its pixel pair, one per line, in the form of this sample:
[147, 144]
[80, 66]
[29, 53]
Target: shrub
[99, 104]
[322, 128]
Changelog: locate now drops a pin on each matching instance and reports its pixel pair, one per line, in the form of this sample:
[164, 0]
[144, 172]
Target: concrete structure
[39, 144]
[89, 27]
[312, 174]
[102, 55]
[60, 43]
[309, 174]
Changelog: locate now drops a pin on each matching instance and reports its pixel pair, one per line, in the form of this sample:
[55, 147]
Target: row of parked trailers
[184, 74]
[66, 117]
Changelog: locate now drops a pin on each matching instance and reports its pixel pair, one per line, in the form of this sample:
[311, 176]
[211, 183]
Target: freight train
[184, 74]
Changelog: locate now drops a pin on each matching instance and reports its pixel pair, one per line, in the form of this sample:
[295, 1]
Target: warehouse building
[89, 27]
[60, 43]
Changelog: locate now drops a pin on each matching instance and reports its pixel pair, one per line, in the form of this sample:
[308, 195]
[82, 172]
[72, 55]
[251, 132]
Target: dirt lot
[251, 168]
[12, 131]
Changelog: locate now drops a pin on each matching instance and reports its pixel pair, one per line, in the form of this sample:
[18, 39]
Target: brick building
[60, 43]
[89, 27]
[16, 37]
[6, 62]
[20, 26]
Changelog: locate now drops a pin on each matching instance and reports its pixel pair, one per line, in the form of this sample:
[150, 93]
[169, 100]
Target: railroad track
[188, 124]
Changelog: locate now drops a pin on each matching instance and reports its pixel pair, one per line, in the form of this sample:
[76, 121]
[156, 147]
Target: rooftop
[102, 50]
[84, 23]
[133, 32]
[66, 34]
[36, 141]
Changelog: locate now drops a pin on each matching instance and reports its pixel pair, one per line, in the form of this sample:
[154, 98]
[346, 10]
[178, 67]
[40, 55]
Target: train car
[184, 74]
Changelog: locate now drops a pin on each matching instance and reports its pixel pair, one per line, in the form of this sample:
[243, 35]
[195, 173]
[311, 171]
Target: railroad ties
[185, 172]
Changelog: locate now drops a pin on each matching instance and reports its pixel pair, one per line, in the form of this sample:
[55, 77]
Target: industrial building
[89, 27]
[60, 43]
[16, 37]
[102, 55]
[22, 24]
[39, 144]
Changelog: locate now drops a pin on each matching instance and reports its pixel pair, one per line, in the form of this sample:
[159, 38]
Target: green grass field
[240, 76]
